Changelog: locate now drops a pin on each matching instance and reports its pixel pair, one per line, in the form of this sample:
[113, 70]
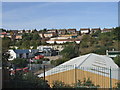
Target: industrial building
[100, 69]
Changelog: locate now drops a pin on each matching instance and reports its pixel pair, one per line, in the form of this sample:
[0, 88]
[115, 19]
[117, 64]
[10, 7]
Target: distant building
[62, 31]
[41, 35]
[47, 51]
[112, 53]
[47, 34]
[50, 34]
[93, 30]
[85, 30]
[21, 31]
[71, 31]
[52, 30]
[21, 53]
[13, 34]
[62, 41]
[3, 34]
[18, 37]
[54, 47]
[106, 30]
[93, 66]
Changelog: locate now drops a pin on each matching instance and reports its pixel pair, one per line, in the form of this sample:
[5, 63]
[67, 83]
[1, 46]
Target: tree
[19, 62]
[117, 60]
[116, 33]
[70, 51]
[5, 43]
[59, 61]
[36, 36]
[27, 80]
[84, 44]
[26, 44]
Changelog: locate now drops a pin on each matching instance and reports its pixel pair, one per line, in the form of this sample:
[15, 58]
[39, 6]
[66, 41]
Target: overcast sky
[40, 15]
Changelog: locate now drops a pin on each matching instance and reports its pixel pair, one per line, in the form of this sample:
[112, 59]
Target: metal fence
[79, 77]
[71, 75]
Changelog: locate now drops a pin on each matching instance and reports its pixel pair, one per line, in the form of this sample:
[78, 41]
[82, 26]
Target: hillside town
[51, 36]
[58, 51]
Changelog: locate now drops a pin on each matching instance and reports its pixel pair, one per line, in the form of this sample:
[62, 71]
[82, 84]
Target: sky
[59, 15]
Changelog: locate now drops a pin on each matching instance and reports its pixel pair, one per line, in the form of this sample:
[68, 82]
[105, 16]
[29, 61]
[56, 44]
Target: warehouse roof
[91, 62]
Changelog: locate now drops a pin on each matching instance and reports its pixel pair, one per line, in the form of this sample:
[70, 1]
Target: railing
[106, 77]
[80, 77]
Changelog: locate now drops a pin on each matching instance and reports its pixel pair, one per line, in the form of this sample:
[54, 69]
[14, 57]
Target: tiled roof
[85, 29]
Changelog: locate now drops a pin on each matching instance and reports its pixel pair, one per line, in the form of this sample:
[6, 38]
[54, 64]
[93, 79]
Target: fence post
[75, 75]
[110, 79]
[44, 71]
[44, 75]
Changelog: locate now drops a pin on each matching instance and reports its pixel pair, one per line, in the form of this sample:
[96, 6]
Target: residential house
[107, 30]
[21, 53]
[18, 37]
[13, 34]
[93, 30]
[3, 34]
[46, 51]
[62, 31]
[112, 53]
[47, 34]
[53, 31]
[54, 47]
[8, 35]
[62, 41]
[78, 32]
[71, 31]
[85, 30]
[21, 31]
[41, 35]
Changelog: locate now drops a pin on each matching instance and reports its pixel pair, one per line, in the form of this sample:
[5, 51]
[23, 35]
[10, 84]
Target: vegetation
[70, 51]
[19, 62]
[29, 39]
[28, 80]
[100, 42]
[6, 42]
[117, 60]
[59, 61]
[86, 83]
[118, 85]
[60, 84]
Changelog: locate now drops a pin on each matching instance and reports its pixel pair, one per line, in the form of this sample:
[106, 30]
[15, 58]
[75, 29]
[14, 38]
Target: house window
[27, 55]
[20, 55]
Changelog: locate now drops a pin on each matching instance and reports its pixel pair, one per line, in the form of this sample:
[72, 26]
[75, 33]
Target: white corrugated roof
[94, 63]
